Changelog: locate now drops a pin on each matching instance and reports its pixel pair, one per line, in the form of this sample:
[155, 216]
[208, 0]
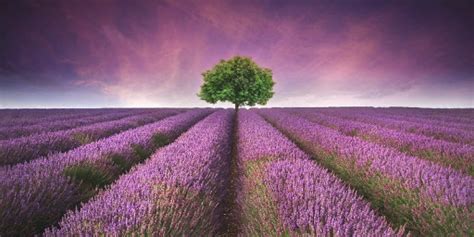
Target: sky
[151, 53]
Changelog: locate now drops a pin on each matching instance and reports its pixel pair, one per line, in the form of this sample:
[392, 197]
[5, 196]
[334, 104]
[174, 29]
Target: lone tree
[238, 80]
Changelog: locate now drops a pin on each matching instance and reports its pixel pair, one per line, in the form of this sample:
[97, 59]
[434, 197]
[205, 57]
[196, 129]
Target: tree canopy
[238, 80]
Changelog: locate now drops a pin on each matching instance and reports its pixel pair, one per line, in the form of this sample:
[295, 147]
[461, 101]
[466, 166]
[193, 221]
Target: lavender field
[261, 172]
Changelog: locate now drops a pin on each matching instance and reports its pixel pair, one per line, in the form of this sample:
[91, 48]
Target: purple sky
[152, 53]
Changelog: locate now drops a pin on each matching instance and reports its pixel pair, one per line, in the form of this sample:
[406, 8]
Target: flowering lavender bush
[462, 116]
[431, 188]
[176, 193]
[36, 194]
[56, 125]
[31, 147]
[26, 117]
[453, 121]
[306, 197]
[443, 184]
[459, 156]
[310, 198]
[275, 172]
[448, 131]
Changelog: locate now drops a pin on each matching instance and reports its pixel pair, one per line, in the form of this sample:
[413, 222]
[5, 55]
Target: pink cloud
[153, 53]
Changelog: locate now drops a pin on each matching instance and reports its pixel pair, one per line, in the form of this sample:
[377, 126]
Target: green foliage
[120, 162]
[171, 198]
[407, 209]
[238, 80]
[88, 175]
[160, 140]
[260, 212]
[140, 152]
[83, 138]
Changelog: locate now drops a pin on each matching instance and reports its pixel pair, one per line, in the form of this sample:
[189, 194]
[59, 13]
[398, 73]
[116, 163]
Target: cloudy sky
[152, 53]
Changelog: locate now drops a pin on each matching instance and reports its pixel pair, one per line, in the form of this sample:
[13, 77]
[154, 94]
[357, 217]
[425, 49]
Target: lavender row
[287, 187]
[442, 184]
[459, 156]
[447, 122]
[25, 130]
[427, 115]
[448, 133]
[36, 194]
[176, 193]
[447, 115]
[25, 117]
[311, 199]
[428, 198]
[31, 147]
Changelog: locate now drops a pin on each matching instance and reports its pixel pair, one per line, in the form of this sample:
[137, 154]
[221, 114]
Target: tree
[238, 80]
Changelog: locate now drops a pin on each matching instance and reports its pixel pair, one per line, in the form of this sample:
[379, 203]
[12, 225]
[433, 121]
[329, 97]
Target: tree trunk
[236, 107]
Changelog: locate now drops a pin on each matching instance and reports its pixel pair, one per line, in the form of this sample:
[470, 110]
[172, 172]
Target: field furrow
[214, 172]
[461, 116]
[285, 193]
[35, 195]
[28, 148]
[21, 130]
[457, 156]
[450, 133]
[177, 192]
[464, 116]
[448, 122]
[429, 199]
[27, 117]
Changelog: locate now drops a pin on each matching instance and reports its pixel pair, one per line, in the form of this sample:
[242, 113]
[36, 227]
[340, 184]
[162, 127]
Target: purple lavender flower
[448, 131]
[308, 197]
[177, 192]
[438, 183]
[460, 156]
[56, 125]
[36, 194]
[31, 147]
